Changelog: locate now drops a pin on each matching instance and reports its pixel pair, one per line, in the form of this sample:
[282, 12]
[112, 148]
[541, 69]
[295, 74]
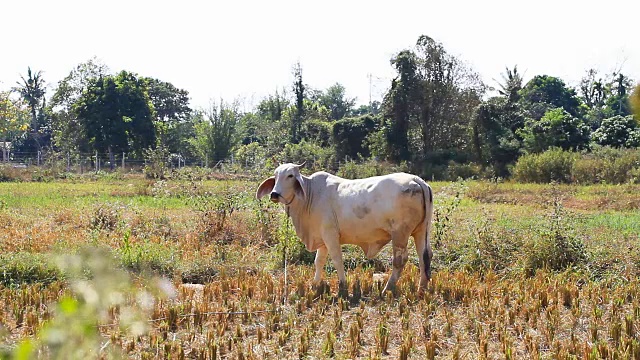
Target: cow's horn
[301, 165]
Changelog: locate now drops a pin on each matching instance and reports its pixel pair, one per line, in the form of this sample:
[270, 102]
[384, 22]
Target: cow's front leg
[332, 242]
[321, 260]
[400, 257]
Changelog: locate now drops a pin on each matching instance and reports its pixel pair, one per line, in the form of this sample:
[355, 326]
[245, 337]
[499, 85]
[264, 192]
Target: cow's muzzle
[275, 197]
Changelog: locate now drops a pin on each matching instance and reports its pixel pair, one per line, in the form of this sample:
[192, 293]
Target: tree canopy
[436, 112]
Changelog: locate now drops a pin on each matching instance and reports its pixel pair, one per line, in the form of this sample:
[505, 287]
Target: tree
[511, 85]
[400, 104]
[543, 93]
[336, 100]
[372, 109]
[593, 89]
[618, 102]
[215, 131]
[496, 124]
[269, 124]
[431, 103]
[450, 92]
[634, 102]
[67, 131]
[272, 107]
[117, 115]
[14, 120]
[494, 132]
[318, 131]
[618, 131]
[298, 89]
[557, 128]
[349, 135]
[172, 111]
[32, 89]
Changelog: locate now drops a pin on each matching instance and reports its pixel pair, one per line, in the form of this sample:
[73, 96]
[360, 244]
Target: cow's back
[370, 210]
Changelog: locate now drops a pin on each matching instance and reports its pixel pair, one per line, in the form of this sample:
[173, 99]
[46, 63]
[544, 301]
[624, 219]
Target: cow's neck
[299, 210]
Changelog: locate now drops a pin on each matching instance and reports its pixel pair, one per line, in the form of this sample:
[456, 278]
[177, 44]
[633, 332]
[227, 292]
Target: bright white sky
[246, 48]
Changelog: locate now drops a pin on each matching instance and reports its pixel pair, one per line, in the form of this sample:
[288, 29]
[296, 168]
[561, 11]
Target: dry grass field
[96, 268]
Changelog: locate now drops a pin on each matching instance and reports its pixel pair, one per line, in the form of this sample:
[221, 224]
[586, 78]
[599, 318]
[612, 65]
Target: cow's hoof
[322, 288]
[389, 290]
[343, 290]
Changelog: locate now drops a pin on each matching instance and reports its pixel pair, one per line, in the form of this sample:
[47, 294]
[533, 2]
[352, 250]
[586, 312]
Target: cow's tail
[428, 216]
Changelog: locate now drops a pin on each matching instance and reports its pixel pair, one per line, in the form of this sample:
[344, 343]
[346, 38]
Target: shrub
[315, 157]
[606, 164]
[19, 268]
[214, 210]
[106, 216]
[146, 256]
[354, 170]
[156, 162]
[252, 154]
[551, 165]
[558, 247]
[557, 128]
[617, 131]
[464, 171]
[349, 135]
[289, 246]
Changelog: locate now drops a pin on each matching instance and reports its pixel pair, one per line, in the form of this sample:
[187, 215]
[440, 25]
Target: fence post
[206, 161]
[68, 161]
[123, 161]
[38, 157]
[97, 162]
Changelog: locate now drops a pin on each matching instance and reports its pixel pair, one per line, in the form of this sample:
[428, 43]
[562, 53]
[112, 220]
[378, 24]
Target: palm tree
[32, 90]
[511, 84]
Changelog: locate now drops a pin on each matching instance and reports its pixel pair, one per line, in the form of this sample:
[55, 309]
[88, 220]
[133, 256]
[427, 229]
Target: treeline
[436, 117]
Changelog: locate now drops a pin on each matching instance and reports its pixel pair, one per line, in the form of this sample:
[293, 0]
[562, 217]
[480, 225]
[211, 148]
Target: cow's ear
[266, 187]
[301, 182]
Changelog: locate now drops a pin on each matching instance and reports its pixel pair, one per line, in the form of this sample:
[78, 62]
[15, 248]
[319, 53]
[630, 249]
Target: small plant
[443, 213]
[382, 337]
[106, 216]
[558, 247]
[214, 209]
[289, 248]
[328, 347]
[156, 160]
[140, 257]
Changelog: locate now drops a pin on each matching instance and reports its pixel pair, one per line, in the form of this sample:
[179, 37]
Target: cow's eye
[290, 176]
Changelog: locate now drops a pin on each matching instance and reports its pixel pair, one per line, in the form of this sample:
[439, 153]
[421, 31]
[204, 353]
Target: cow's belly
[361, 235]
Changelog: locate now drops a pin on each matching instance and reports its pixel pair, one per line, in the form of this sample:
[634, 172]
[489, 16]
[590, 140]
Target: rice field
[126, 267]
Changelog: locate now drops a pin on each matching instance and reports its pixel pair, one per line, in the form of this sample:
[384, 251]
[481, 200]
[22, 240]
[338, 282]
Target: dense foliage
[438, 118]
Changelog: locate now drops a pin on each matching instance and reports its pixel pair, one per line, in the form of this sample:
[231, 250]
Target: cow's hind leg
[400, 257]
[424, 255]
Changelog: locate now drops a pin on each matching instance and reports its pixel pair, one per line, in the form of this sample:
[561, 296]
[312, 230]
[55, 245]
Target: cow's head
[285, 185]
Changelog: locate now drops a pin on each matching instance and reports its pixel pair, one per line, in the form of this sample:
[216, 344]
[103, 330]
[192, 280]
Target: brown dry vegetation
[499, 290]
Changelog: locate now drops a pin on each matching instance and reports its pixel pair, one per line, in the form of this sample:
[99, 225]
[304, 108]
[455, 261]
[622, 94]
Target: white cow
[328, 211]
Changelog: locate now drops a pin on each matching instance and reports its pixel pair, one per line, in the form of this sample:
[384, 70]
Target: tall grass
[602, 165]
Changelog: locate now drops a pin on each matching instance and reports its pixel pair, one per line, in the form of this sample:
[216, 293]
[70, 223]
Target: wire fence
[88, 162]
